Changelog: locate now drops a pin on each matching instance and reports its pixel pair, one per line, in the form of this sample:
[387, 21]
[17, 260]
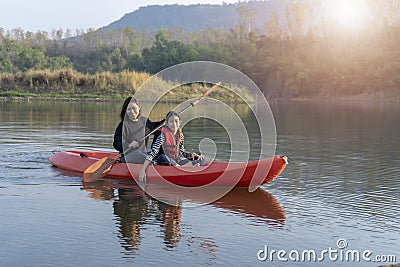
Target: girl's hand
[142, 175]
[197, 156]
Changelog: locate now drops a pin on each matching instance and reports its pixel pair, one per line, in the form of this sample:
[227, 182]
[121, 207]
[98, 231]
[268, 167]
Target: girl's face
[133, 111]
[173, 123]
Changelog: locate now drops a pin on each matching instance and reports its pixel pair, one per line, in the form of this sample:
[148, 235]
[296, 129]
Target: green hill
[196, 17]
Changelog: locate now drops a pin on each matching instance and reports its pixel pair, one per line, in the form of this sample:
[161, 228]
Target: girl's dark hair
[170, 114]
[125, 106]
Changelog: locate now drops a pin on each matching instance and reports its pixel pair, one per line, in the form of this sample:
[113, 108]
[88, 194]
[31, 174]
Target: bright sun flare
[349, 14]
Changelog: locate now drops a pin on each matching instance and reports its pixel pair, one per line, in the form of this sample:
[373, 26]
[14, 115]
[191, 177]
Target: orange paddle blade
[98, 170]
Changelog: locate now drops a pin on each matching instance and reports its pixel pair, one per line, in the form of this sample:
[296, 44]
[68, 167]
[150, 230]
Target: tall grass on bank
[69, 83]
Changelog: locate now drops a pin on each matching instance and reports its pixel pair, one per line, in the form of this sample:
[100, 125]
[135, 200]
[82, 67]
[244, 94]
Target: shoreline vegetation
[22, 97]
[296, 55]
[70, 85]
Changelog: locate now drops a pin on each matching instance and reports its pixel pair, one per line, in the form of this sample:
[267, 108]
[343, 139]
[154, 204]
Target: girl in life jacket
[168, 147]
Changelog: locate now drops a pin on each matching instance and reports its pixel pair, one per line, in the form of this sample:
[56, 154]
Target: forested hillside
[201, 16]
[307, 56]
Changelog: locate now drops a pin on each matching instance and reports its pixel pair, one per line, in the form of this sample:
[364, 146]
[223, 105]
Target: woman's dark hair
[170, 114]
[125, 106]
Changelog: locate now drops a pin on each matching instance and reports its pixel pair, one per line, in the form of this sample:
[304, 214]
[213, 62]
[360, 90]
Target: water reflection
[135, 212]
[343, 182]
[134, 209]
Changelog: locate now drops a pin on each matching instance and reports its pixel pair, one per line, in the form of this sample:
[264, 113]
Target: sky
[46, 15]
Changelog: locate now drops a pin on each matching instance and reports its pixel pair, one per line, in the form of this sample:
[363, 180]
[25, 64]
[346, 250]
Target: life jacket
[170, 147]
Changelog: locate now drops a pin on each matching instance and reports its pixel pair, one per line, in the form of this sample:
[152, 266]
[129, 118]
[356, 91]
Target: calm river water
[339, 195]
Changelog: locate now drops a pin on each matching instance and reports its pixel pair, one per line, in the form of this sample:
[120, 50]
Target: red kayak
[239, 174]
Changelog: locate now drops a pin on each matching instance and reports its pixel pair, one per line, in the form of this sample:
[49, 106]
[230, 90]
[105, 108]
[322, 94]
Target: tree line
[297, 54]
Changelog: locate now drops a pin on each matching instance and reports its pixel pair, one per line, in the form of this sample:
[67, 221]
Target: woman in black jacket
[128, 137]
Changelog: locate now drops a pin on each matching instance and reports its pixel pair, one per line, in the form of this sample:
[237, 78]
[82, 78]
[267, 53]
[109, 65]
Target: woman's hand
[134, 145]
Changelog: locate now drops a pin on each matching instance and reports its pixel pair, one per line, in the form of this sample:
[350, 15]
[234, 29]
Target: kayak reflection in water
[168, 148]
[134, 211]
[131, 130]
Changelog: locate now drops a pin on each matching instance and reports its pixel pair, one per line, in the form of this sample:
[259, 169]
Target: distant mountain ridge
[199, 16]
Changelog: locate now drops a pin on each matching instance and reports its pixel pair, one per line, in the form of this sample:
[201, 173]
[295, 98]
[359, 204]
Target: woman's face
[173, 123]
[133, 111]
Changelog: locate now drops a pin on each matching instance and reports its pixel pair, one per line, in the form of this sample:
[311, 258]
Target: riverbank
[355, 98]
[176, 94]
[78, 99]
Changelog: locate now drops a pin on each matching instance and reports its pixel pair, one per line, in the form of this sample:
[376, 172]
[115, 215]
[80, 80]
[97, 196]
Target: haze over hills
[195, 17]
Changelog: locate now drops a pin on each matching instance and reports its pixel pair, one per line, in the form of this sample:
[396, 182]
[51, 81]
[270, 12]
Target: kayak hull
[239, 174]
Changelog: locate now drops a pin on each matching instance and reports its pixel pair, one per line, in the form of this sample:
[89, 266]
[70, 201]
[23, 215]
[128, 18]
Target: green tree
[165, 53]
[272, 26]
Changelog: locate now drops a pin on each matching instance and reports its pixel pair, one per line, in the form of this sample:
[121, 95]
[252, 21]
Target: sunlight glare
[348, 14]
